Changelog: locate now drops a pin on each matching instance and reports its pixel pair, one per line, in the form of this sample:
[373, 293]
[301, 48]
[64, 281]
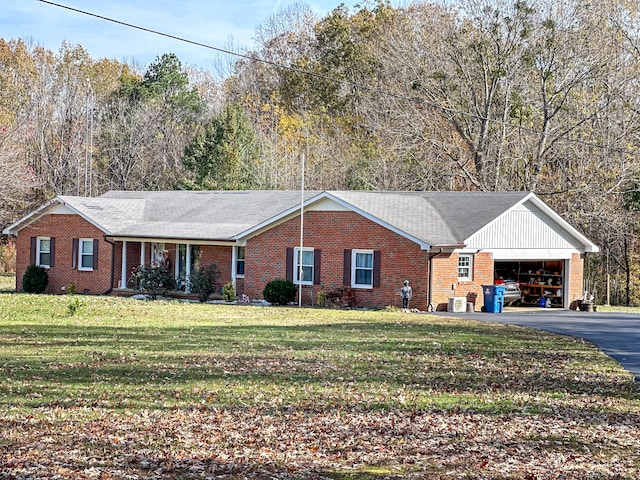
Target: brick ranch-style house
[359, 246]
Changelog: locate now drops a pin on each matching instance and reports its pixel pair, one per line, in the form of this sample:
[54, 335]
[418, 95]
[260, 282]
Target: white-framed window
[85, 254]
[362, 268]
[43, 252]
[240, 262]
[465, 267]
[303, 266]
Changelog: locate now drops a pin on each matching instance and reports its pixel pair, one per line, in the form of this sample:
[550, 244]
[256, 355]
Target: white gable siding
[327, 204]
[59, 209]
[524, 232]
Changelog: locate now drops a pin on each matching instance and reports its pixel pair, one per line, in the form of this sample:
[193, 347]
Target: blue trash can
[493, 298]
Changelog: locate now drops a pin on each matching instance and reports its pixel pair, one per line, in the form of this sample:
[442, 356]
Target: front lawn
[98, 387]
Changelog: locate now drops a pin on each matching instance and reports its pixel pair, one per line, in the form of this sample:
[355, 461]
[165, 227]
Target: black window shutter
[346, 276]
[289, 264]
[317, 254]
[96, 242]
[376, 268]
[34, 247]
[52, 251]
[74, 253]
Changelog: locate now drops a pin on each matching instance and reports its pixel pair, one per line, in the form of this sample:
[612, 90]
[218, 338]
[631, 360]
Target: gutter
[430, 305]
[113, 260]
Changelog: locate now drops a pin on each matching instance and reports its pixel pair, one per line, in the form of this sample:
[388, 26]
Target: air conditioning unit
[457, 304]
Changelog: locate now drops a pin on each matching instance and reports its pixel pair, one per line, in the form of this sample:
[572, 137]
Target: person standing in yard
[405, 293]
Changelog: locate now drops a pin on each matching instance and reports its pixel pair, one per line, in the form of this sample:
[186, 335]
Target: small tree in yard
[280, 292]
[203, 281]
[154, 279]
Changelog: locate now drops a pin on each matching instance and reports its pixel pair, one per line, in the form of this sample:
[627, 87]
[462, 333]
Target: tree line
[492, 95]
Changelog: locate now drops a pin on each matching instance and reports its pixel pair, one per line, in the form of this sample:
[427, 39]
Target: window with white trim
[303, 266]
[43, 252]
[465, 267]
[240, 262]
[85, 254]
[362, 268]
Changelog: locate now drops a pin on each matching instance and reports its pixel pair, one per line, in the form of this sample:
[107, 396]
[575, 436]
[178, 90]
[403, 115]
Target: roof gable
[530, 225]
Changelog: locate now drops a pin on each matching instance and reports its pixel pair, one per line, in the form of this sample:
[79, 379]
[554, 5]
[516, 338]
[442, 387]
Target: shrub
[154, 279]
[280, 292]
[74, 306]
[203, 281]
[321, 298]
[35, 279]
[228, 292]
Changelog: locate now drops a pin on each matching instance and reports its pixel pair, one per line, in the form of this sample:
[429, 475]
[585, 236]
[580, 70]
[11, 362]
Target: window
[240, 261]
[303, 272]
[85, 260]
[311, 259]
[84, 254]
[43, 254]
[465, 266]
[362, 268]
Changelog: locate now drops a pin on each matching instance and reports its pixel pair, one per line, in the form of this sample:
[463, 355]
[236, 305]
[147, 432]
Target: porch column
[123, 274]
[234, 266]
[187, 274]
[143, 252]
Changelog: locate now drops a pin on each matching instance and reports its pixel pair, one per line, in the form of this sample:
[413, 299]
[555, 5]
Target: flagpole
[301, 234]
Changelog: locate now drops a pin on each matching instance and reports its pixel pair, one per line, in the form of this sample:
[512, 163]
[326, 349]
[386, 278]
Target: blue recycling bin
[493, 298]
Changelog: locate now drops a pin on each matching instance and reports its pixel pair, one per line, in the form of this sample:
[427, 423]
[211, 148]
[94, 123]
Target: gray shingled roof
[433, 218]
[191, 215]
[437, 218]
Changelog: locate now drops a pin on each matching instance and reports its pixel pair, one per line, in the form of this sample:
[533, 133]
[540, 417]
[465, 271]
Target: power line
[350, 84]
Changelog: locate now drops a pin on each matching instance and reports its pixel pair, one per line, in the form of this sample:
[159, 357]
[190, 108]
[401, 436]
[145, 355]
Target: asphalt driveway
[616, 334]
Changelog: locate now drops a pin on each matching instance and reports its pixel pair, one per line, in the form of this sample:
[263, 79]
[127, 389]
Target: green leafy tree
[145, 126]
[223, 153]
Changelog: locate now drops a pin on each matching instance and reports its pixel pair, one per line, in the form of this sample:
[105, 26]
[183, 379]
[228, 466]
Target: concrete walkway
[616, 334]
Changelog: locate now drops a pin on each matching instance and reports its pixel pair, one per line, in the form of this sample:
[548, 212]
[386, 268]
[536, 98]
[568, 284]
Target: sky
[221, 24]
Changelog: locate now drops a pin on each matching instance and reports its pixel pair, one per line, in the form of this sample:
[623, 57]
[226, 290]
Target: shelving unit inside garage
[538, 279]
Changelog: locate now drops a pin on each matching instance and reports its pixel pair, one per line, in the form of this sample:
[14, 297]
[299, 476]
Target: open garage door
[541, 281]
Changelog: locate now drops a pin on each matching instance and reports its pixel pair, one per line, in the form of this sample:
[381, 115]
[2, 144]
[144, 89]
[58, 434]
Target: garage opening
[532, 282]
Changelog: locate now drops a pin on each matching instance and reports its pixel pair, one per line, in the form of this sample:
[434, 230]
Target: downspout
[430, 305]
[113, 267]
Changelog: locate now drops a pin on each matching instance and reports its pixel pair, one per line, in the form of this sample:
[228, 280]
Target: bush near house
[280, 292]
[154, 279]
[35, 279]
[203, 281]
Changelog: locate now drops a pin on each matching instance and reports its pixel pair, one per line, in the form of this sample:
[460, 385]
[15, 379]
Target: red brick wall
[445, 274]
[333, 232]
[222, 257]
[64, 228]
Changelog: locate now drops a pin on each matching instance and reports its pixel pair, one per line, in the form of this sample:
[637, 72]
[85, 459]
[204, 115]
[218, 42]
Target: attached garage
[538, 280]
[532, 245]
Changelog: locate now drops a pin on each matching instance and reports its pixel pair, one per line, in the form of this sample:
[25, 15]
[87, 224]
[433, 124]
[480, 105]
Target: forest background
[488, 95]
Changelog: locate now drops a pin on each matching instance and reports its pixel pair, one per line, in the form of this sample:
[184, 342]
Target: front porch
[181, 260]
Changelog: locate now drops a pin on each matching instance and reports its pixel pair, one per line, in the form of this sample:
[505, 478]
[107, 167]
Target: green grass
[293, 391]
